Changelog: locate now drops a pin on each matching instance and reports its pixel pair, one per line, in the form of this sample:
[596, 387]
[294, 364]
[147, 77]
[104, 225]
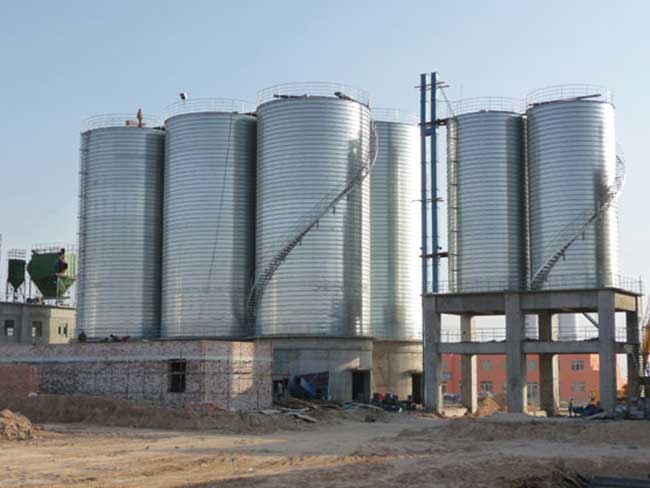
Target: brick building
[235, 375]
[579, 376]
[29, 323]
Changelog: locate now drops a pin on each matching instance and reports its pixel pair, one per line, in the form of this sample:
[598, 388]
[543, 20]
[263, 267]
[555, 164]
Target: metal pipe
[434, 187]
[423, 178]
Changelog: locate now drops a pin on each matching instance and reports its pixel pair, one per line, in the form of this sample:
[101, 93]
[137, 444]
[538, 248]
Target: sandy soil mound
[504, 428]
[126, 413]
[15, 427]
[488, 406]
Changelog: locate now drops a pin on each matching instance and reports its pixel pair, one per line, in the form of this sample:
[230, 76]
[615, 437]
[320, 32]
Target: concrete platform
[356, 366]
[515, 306]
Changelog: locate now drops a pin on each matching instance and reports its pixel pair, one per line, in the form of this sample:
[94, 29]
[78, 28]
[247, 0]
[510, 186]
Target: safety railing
[569, 92]
[16, 254]
[197, 105]
[54, 247]
[498, 334]
[313, 89]
[393, 115]
[485, 104]
[120, 120]
[577, 282]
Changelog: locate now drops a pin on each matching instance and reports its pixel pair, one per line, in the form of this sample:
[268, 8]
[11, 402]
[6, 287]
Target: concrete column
[431, 357]
[468, 366]
[549, 368]
[23, 329]
[633, 360]
[515, 357]
[606, 349]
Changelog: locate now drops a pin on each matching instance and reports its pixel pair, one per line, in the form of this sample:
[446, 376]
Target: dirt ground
[341, 450]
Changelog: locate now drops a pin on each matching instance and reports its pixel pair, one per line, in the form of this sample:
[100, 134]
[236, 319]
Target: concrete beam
[473, 303]
[553, 301]
[560, 301]
[515, 356]
[468, 366]
[606, 349]
[561, 347]
[626, 303]
[549, 369]
[431, 356]
[472, 348]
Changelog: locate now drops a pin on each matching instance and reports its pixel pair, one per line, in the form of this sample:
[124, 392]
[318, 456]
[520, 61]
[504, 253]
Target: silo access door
[360, 386]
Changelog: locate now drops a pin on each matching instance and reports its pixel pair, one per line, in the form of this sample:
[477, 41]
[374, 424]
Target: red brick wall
[18, 379]
[569, 379]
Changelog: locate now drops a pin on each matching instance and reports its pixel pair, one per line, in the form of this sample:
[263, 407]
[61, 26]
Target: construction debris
[488, 405]
[359, 406]
[16, 427]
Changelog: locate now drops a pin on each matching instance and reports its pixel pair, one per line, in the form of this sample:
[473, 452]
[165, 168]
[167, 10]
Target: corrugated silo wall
[486, 202]
[120, 232]
[395, 234]
[571, 164]
[309, 149]
[208, 212]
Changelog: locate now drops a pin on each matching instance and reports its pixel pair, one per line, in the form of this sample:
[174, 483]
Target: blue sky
[65, 61]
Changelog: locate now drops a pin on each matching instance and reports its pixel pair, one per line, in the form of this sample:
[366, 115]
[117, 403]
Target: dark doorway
[416, 387]
[360, 386]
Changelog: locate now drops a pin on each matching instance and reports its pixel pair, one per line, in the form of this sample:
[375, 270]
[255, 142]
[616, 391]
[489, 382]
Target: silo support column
[468, 366]
[633, 360]
[606, 349]
[431, 357]
[549, 370]
[515, 356]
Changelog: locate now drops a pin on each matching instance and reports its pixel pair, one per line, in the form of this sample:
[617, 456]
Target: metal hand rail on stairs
[323, 208]
[576, 228]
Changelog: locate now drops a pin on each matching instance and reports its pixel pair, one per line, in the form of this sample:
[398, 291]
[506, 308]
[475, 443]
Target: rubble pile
[14, 426]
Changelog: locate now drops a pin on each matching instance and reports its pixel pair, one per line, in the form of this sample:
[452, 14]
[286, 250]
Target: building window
[532, 365]
[177, 370]
[486, 365]
[446, 376]
[65, 330]
[444, 388]
[533, 392]
[486, 386]
[578, 386]
[60, 332]
[578, 365]
[9, 328]
[37, 329]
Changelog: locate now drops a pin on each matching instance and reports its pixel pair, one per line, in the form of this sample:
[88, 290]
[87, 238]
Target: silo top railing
[197, 105]
[393, 115]
[55, 247]
[313, 89]
[484, 104]
[569, 92]
[120, 120]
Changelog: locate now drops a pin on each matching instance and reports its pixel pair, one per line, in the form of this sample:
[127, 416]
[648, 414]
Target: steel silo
[486, 196]
[572, 166]
[313, 139]
[118, 289]
[208, 218]
[395, 310]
